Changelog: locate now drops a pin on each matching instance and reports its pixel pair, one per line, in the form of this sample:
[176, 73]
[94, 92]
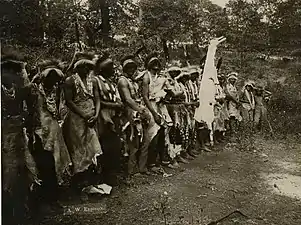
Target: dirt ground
[263, 185]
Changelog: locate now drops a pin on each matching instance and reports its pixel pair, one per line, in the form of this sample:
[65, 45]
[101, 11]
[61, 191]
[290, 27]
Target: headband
[83, 62]
[105, 63]
[232, 76]
[183, 74]
[194, 70]
[250, 83]
[174, 68]
[46, 72]
[127, 62]
[152, 60]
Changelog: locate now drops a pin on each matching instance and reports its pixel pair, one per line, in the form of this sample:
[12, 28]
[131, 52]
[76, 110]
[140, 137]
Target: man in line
[175, 105]
[154, 89]
[17, 176]
[232, 102]
[261, 96]
[108, 121]
[83, 101]
[137, 116]
[45, 134]
[247, 103]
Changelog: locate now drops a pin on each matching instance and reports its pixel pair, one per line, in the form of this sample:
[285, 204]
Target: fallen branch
[225, 217]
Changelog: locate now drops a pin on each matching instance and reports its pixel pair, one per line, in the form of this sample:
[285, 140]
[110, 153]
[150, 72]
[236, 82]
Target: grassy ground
[281, 77]
[209, 188]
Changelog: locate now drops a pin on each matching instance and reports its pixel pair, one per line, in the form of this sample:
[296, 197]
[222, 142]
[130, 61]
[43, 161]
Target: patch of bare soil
[261, 187]
[285, 184]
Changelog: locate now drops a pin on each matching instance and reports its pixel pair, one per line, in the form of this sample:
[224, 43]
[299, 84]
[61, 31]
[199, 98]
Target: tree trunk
[90, 35]
[165, 48]
[105, 20]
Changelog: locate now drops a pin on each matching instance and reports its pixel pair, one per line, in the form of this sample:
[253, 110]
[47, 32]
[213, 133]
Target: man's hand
[61, 122]
[157, 118]
[85, 116]
[144, 114]
[119, 105]
[92, 119]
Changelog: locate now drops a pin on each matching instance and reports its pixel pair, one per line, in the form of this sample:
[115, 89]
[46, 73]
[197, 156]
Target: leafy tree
[286, 23]
[181, 21]
[20, 22]
[247, 28]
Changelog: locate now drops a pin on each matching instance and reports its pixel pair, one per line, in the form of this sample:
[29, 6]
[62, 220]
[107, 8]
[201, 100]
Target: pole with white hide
[207, 91]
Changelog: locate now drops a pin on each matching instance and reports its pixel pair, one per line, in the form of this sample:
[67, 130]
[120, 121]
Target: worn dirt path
[264, 184]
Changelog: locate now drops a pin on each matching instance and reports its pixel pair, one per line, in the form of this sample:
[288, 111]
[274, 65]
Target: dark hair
[85, 55]
[124, 58]
[50, 63]
[101, 59]
[148, 58]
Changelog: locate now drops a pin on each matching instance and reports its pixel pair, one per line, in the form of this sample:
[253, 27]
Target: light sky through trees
[220, 2]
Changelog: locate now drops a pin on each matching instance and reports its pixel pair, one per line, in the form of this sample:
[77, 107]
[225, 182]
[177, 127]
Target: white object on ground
[106, 188]
[98, 189]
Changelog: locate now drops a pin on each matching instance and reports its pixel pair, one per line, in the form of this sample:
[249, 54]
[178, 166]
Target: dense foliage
[256, 23]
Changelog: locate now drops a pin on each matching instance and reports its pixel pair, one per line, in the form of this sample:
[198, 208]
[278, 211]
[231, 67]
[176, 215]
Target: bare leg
[133, 149]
